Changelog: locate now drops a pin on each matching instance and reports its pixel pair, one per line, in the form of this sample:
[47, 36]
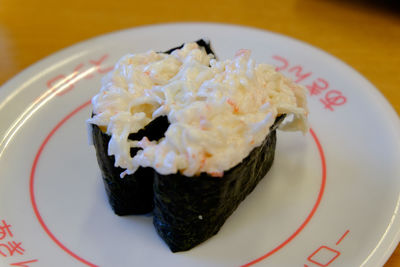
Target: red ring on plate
[314, 209]
[63, 247]
[32, 180]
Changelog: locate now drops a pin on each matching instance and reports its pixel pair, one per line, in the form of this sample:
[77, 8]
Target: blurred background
[364, 34]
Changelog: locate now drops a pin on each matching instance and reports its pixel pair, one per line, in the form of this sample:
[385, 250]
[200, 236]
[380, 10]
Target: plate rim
[25, 77]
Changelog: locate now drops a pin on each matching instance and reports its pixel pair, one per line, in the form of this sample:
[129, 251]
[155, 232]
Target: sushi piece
[192, 136]
[201, 205]
[134, 193]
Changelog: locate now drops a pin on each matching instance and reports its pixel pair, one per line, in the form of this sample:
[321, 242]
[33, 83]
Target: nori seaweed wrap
[191, 203]
[134, 193]
[189, 211]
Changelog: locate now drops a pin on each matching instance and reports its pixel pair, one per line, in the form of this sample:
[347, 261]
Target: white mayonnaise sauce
[218, 110]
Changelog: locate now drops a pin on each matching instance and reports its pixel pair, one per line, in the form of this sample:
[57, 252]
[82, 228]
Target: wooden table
[364, 34]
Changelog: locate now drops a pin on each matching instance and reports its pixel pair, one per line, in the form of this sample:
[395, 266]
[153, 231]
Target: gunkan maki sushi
[189, 137]
[134, 193]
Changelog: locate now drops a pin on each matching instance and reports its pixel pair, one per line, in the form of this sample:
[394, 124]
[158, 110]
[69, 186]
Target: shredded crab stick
[218, 110]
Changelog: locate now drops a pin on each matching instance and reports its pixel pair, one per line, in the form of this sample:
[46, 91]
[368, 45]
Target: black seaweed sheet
[134, 193]
[187, 210]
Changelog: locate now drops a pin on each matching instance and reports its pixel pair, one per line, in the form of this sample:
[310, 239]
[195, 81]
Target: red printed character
[333, 98]
[97, 64]
[297, 71]
[317, 86]
[61, 83]
[23, 263]
[284, 62]
[324, 256]
[11, 247]
[5, 230]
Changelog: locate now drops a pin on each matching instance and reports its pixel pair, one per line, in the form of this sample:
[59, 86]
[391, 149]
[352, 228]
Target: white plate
[331, 198]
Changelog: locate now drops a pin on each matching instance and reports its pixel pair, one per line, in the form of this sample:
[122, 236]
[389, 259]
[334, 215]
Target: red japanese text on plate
[63, 83]
[324, 255]
[11, 248]
[316, 86]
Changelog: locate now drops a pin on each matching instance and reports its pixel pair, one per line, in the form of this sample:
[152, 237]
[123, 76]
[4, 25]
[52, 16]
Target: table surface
[364, 34]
